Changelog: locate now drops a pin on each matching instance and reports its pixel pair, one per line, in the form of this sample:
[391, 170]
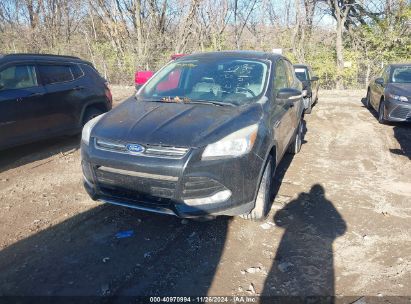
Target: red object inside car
[170, 83]
[141, 77]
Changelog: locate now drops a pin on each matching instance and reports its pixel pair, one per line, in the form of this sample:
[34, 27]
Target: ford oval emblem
[134, 148]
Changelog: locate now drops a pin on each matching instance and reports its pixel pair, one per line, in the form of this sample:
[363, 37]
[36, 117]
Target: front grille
[149, 150]
[195, 187]
[401, 113]
[134, 198]
[141, 183]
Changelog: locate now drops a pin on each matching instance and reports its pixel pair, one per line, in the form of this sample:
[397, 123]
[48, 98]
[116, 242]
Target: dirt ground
[340, 223]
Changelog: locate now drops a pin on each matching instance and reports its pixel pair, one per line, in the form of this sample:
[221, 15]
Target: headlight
[398, 97]
[85, 135]
[234, 145]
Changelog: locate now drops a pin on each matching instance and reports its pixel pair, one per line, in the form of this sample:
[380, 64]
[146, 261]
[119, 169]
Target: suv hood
[174, 124]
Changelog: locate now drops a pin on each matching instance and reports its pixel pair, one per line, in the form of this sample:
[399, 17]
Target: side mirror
[289, 93]
[315, 78]
[379, 80]
[304, 92]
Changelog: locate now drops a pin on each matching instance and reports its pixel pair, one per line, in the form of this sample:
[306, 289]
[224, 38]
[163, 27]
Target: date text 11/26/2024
[205, 299]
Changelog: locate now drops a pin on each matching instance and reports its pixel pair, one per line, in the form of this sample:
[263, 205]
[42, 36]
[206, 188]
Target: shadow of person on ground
[402, 133]
[303, 264]
[82, 256]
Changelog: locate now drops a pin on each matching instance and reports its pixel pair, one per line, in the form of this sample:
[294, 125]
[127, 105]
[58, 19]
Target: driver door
[20, 97]
[281, 116]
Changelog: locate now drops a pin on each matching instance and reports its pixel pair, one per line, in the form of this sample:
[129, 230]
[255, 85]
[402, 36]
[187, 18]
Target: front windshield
[230, 81]
[402, 74]
[301, 74]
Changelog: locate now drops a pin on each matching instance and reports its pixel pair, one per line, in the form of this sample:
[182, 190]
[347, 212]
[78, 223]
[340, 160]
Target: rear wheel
[381, 112]
[90, 114]
[262, 201]
[295, 146]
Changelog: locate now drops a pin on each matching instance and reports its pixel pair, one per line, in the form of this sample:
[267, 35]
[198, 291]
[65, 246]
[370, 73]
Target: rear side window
[77, 72]
[18, 77]
[55, 73]
[92, 72]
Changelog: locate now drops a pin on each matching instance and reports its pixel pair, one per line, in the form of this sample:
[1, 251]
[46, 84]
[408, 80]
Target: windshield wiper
[151, 100]
[214, 102]
[188, 100]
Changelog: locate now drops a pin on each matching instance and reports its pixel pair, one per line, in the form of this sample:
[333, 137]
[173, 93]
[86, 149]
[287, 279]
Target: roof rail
[46, 55]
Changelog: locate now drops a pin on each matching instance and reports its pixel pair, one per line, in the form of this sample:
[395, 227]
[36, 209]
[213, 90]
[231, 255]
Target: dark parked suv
[47, 95]
[203, 136]
[310, 85]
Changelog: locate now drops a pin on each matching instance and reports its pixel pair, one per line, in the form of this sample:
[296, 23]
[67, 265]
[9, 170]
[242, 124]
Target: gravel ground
[339, 224]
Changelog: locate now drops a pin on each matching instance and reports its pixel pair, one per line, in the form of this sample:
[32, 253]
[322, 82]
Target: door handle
[78, 88]
[36, 94]
[291, 104]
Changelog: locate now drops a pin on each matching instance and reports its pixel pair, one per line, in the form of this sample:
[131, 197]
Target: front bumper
[164, 185]
[397, 110]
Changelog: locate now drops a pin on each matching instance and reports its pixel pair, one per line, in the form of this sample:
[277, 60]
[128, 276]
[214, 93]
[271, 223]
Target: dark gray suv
[203, 136]
[47, 95]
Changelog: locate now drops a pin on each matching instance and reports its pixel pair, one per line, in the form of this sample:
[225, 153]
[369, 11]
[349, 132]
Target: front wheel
[295, 146]
[367, 99]
[310, 106]
[381, 112]
[262, 202]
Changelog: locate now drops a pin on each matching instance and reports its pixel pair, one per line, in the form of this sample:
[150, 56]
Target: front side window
[401, 75]
[280, 77]
[18, 77]
[229, 80]
[51, 74]
[290, 72]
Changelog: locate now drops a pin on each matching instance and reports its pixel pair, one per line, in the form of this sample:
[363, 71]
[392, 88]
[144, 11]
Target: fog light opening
[214, 199]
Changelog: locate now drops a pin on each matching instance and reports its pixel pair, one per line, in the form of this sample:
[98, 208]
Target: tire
[381, 112]
[295, 145]
[90, 113]
[262, 201]
[367, 99]
[310, 106]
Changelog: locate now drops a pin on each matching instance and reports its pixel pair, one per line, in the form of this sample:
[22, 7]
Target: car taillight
[108, 92]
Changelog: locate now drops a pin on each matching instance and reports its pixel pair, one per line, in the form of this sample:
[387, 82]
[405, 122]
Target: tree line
[346, 41]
